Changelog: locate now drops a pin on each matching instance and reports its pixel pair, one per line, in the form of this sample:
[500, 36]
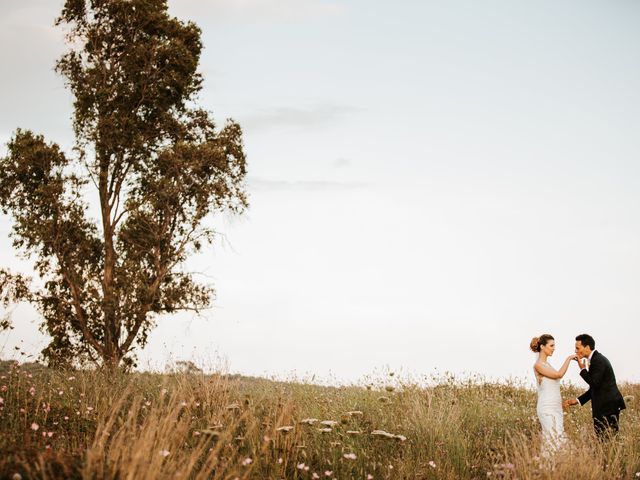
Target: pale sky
[431, 183]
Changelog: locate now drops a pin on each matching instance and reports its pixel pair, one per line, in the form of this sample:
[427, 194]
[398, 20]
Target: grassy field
[91, 425]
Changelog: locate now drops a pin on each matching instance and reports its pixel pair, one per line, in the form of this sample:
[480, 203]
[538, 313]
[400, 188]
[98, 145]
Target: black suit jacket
[603, 392]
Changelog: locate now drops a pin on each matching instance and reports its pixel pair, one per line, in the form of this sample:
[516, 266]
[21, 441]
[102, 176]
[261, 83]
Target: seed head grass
[98, 425]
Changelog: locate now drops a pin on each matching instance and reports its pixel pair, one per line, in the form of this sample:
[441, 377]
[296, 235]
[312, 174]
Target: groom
[606, 399]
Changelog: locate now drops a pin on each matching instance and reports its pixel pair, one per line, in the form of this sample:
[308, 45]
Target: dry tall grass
[137, 426]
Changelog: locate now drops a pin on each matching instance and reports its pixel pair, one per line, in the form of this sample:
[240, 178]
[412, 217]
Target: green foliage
[158, 164]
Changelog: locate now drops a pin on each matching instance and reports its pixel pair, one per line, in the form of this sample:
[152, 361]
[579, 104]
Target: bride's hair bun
[535, 344]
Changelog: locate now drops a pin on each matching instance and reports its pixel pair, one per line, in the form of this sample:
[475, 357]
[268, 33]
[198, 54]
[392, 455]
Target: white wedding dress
[550, 414]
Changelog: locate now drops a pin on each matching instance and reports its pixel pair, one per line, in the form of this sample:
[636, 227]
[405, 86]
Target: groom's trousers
[606, 425]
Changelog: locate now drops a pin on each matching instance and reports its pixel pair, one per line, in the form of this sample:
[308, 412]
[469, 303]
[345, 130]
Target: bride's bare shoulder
[539, 365]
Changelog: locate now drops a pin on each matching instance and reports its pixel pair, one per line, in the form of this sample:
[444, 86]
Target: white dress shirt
[588, 362]
[586, 367]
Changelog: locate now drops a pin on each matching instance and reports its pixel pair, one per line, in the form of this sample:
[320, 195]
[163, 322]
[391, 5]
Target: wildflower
[4, 388]
[32, 391]
[16, 476]
[49, 434]
[247, 461]
[71, 378]
[35, 426]
[350, 456]
[1, 400]
[308, 421]
[60, 393]
[280, 460]
[66, 418]
[432, 464]
[369, 476]
[354, 413]
[302, 466]
[329, 423]
[314, 475]
[183, 404]
[328, 473]
[196, 433]
[164, 453]
[163, 391]
[285, 429]
[89, 409]
[382, 433]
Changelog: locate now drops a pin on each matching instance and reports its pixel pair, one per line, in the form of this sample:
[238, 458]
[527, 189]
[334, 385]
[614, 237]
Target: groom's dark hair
[586, 340]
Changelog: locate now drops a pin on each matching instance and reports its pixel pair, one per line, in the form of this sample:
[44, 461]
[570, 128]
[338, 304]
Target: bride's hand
[573, 356]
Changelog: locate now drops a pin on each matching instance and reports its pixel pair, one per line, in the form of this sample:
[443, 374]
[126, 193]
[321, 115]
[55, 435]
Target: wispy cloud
[312, 117]
[341, 163]
[263, 184]
[267, 10]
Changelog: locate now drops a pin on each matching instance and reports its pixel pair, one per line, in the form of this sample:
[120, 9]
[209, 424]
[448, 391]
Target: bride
[549, 406]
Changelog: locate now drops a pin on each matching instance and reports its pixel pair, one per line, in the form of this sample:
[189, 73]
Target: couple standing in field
[595, 369]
